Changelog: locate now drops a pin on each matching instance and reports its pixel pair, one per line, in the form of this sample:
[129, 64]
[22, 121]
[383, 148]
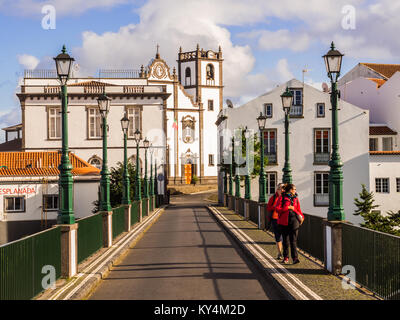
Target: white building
[29, 191]
[374, 87]
[176, 111]
[310, 144]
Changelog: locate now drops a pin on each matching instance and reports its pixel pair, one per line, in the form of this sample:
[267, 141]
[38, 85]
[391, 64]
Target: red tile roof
[381, 130]
[41, 164]
[386, 70]
[379, 82]
[91, 83]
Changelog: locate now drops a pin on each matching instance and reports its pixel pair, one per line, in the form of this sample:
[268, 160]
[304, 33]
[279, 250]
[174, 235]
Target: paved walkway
[307, 272]
[186, 255]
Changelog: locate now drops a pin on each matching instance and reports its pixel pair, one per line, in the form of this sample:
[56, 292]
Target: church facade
[174, 109]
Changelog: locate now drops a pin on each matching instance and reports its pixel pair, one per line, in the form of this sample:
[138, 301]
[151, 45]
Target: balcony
[321, 158]
[296, 111]
[321, 200]
[272, 159]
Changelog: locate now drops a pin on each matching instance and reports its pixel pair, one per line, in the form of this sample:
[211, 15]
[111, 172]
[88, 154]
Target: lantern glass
[125, 124]
[63, 66]
[137, 136]
[261, 121]
[146, 143]
[104, 105]
[333, 62]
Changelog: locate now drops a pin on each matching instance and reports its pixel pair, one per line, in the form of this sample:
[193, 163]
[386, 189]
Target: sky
[264, 42]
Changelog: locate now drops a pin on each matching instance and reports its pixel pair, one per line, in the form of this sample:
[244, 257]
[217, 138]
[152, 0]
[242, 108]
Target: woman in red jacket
[271, 208]
[290, 218]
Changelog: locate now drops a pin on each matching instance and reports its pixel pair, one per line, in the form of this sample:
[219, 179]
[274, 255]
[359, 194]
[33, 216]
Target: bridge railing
[90, 236]
[25, 262]
[375, 257]
[311, 236]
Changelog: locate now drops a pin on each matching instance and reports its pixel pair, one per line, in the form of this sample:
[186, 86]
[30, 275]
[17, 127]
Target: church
[175, 109]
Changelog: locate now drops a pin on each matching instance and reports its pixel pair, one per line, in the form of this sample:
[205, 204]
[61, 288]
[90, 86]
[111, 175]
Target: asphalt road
[186, 255]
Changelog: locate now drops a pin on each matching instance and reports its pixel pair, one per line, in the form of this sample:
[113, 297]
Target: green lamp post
[151, 171]
[247, 190]
[66, 208]
[287, 101]
[230, 180]
[225, 170]
[138, 187]
[237, 178]
[333, 63]
[261, 120]
[155, 178]
[104, 107]
[126, 197]
[146, 145]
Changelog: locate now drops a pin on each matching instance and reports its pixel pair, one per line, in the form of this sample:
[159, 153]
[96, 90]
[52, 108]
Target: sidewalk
[97, 267]
[304, 281]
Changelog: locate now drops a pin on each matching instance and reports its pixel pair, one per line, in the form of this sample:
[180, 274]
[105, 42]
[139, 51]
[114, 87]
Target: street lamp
[126, 198]
[104, 107]
[66, 211]
[262, 183]
[151, 171]
[146, 145]
[333, 63]
[247, 191]
[138, 191]
[287, 101]
[237, 178]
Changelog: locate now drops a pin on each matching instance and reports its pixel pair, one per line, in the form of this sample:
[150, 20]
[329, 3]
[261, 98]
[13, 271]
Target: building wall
[385, 166]
[84, 195]
[353, 133]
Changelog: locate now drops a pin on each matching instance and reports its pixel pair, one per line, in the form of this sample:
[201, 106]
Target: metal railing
[321, 157]
[134, 212]
[40, 74]
[375, 257]
[119, 73]
[22, 262]
[311, 236]
[296, 111]
[253, 211]
[118, 221]
[241, 206]
[90, 236]
[144, 207]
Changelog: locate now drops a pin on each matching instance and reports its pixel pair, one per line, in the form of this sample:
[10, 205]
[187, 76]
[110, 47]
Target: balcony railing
[296, 111]
[321, 199]
[271, 157]
[124, 74]
[321, 157]
[40, 74]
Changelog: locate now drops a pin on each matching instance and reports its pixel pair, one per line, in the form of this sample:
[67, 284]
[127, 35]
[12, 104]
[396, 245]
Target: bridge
[194, 248]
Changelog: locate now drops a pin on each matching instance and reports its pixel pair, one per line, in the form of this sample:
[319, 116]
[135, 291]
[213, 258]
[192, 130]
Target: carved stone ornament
[159, 71]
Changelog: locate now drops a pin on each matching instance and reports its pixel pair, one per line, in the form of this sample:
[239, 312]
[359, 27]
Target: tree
[374, 219]
[117, 185]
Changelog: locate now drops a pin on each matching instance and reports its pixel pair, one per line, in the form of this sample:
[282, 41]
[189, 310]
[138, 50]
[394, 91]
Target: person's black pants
[289, 235]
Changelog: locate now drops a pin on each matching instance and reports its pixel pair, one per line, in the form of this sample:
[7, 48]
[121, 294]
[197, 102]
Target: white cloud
[28, 61]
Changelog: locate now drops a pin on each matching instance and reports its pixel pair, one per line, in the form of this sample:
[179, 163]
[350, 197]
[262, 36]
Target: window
[188, 127]
[94, 123]
[134, 116]
[210, 105]
[14, 204]
[268, 110]
[188, 77]
[95, 161]
[397, 184]
[54, 123]
[382, 185]
[210, 159]
[320, 110]
[321, 189]
[297, 106]
[387, 144]
[271, 182]
[50, 202]
[322, 146]
[270, 145]
[210, 72]
[373, 144]
[132, 160]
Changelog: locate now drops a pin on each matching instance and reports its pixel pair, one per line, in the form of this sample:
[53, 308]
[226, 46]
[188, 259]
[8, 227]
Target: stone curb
[95, 278]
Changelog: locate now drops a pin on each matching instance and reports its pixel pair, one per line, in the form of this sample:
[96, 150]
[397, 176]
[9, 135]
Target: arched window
[95, 161]
[188, 77]
[188, 129]
[210, 72]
